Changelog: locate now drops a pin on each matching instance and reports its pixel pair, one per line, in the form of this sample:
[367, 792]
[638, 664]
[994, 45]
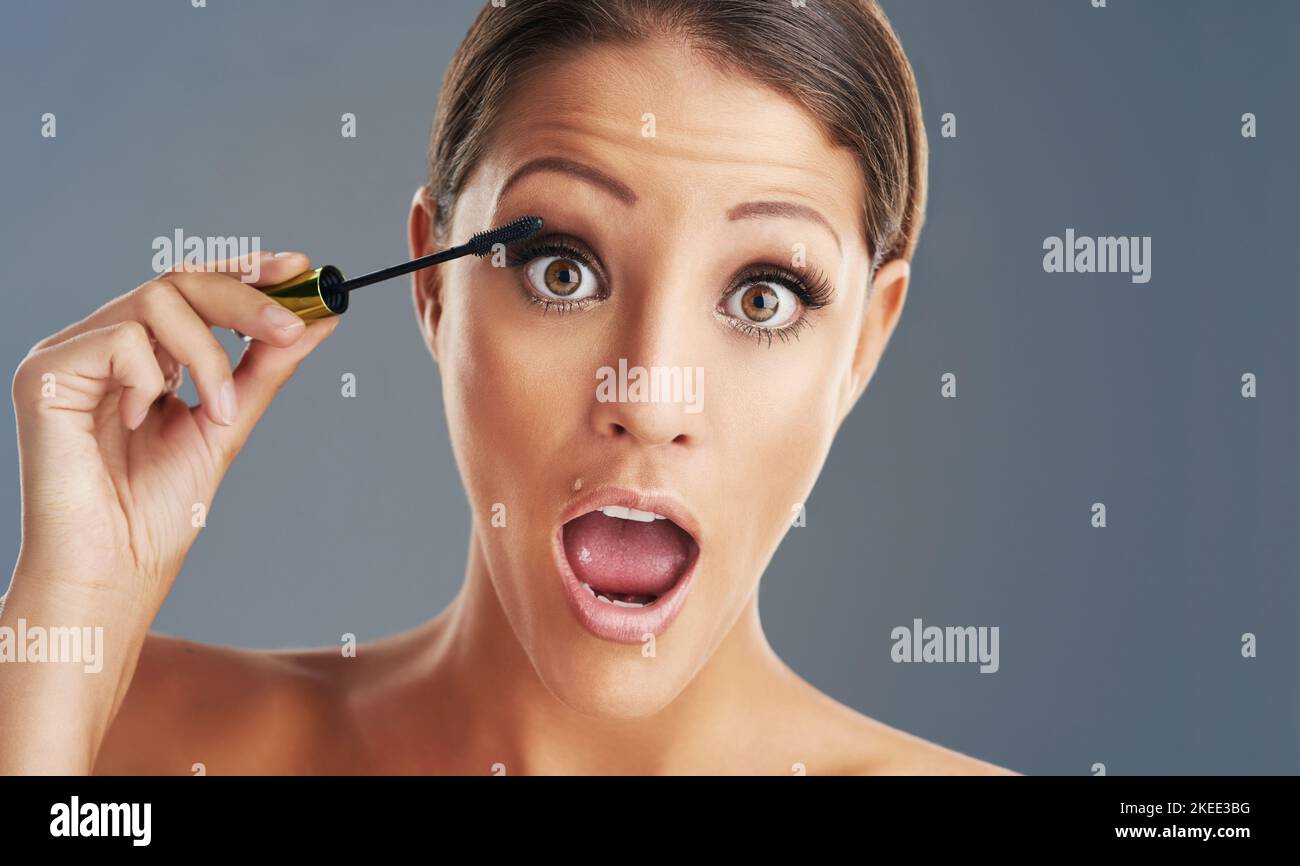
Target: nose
[648, 391]
[647, 423]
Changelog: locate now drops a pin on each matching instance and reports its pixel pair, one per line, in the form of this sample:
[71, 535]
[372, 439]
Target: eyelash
[555, 246]
[811, 287]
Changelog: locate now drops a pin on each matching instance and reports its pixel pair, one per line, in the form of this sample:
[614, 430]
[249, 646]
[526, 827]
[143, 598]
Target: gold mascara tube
[324, 292]
[312, 294]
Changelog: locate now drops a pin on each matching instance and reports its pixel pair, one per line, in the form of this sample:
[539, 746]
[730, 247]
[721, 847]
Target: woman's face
[702, 229]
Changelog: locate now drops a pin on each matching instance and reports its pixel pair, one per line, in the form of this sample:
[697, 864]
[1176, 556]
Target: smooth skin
[505, 679]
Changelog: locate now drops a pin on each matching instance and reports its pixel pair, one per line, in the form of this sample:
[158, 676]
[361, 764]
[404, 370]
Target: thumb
[262, 371]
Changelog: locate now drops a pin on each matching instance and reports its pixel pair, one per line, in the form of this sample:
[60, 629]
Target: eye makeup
[561, 247]
[808, 287]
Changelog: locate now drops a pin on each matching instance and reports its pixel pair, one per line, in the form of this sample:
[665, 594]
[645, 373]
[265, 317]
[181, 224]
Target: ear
[888, 292]
[426, 285]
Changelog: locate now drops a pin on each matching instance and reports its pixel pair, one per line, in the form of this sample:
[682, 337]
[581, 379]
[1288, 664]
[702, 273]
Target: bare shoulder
[194, 708]
[855, 744]
[889, 751]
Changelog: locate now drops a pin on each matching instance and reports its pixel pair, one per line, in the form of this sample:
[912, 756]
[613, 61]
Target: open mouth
[627, 570]
[627, 557]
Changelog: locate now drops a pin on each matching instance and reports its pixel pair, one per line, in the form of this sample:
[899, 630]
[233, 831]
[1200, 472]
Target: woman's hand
[117, 471]
[117, 474]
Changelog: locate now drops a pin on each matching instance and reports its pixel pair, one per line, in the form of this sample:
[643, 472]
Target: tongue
[627, 556]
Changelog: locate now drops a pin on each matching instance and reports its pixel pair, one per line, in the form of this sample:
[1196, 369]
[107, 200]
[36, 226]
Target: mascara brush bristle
[480, 245]
[520, 230]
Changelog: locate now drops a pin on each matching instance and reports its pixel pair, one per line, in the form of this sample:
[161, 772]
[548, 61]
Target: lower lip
[621, 624]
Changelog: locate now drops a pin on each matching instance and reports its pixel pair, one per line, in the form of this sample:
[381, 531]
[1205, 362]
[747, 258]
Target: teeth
[625, 513]
[614, 602]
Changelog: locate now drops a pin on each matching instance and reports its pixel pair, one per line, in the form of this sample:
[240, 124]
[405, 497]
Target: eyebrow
[793, 210]
[597, 178]
[625, 194]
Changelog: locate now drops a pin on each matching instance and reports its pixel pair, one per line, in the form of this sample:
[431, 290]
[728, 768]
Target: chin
[625, 562]
[608, 683]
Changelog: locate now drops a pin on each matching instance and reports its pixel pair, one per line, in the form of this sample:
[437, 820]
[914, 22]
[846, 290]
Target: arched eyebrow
[625, 194]
[582, 171]
[788, 209]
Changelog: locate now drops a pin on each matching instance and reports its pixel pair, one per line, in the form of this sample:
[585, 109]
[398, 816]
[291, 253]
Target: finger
[88, 367]
[254, 269]
[179, 330]
[273, 268]
[173, 372]
[225, 302]
[262, 371]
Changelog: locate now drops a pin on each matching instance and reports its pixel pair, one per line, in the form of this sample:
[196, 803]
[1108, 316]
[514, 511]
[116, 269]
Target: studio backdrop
[1097, 455]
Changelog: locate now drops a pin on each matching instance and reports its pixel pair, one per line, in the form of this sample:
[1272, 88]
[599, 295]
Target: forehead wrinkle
[680, 142]
[557, 137]
[601, 125]
[604, 91]
[754, 183]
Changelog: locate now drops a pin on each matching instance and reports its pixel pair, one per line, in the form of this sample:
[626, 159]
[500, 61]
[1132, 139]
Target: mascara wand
[324, 292]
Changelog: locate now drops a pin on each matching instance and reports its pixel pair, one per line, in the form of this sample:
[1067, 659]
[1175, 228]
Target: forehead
[669, 124]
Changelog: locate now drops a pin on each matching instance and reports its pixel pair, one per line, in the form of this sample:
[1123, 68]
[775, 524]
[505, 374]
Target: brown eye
[759, 302]
[766, 304]
[563, 277]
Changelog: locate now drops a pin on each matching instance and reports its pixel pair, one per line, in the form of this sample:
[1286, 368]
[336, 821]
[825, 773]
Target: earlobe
[884, 307]
[426, 286]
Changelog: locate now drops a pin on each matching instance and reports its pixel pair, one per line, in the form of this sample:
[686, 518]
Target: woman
[732, 189]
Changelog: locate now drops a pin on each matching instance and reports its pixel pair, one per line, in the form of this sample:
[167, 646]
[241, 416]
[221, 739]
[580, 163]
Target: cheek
[772, 420]
[780, 402]
[514, 399]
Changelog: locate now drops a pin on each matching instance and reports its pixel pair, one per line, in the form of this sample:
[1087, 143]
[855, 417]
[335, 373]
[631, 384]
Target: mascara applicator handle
[324, 292]
[311, 294]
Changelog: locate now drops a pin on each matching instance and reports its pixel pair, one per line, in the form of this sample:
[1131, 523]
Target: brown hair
[838, 59]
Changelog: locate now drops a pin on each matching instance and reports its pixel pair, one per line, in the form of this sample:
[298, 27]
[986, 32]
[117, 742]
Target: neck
[471, 674]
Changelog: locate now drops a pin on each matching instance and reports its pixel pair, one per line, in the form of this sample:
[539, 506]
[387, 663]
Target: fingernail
[226, 402]
[139, 418]
[284, 255]
[282, 319]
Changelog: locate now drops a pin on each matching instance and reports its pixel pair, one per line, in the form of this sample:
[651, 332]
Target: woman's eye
[764, 304]
[560, 278]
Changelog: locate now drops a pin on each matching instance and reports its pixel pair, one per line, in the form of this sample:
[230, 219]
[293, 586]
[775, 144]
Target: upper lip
[658, 501]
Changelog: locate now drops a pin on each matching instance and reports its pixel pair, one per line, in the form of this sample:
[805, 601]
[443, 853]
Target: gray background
[1118, 646]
